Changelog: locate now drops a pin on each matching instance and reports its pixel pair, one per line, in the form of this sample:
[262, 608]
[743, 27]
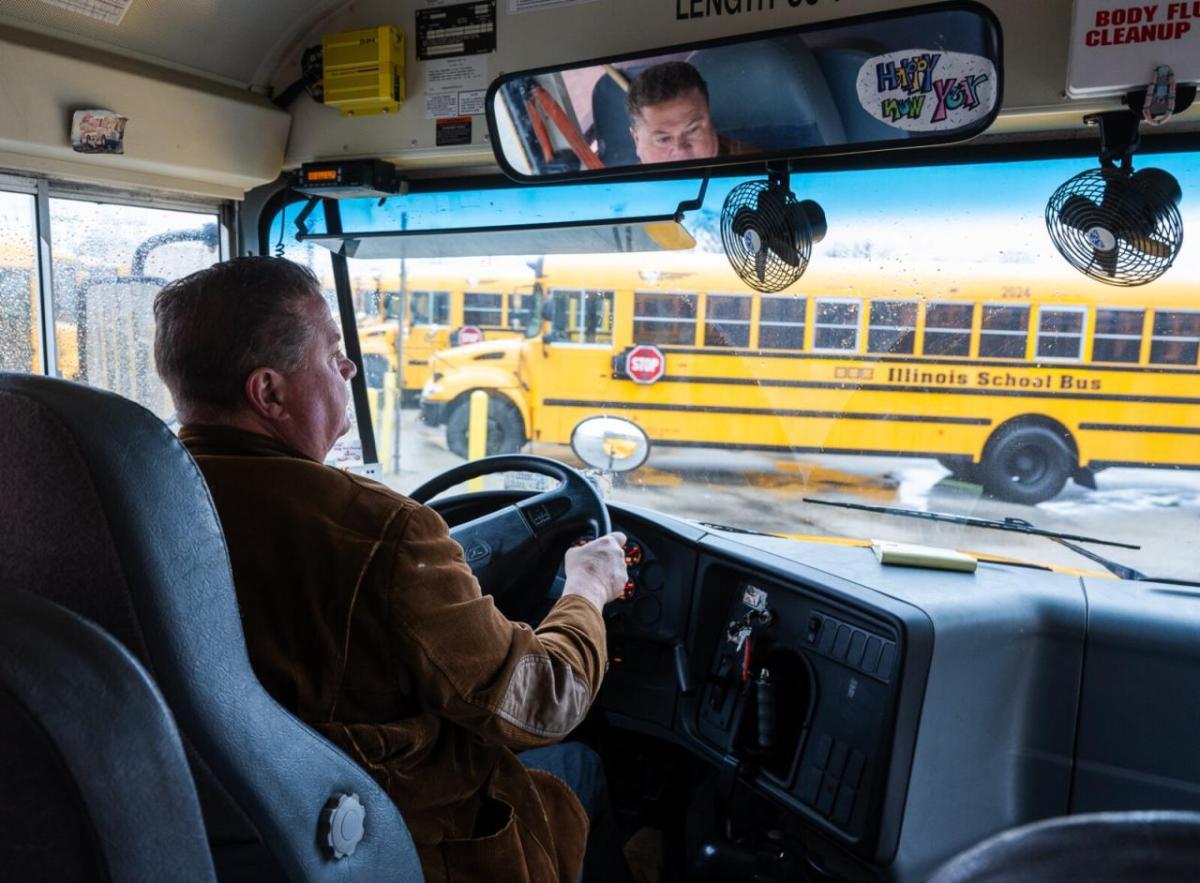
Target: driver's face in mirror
[669, 116]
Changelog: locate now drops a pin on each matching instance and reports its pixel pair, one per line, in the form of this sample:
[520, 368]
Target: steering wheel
[504, 545]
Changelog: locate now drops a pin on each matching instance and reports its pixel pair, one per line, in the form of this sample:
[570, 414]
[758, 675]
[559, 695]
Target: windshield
[938, 354]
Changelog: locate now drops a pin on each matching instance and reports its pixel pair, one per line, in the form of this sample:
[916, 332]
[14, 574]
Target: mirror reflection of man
[669, 116]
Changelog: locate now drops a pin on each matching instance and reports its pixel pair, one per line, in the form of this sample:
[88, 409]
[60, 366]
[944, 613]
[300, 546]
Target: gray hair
[216, 326]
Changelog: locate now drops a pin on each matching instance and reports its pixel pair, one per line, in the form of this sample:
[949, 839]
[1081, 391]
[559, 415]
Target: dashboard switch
[633, 554]
[627, 592]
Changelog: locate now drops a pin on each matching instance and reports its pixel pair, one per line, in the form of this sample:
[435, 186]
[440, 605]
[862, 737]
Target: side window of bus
[520, 308]
[19, 335]
[581, 316]
[1176, 337]
[727, 320]
[393, 306]
[1060, 332]
[482, 308]
[664, 319]
[836, 324]
[948, 329]
[781, 322]
[109, 262]
[892, 327]
[1118, 336]
[1004, 331]
[430, 308]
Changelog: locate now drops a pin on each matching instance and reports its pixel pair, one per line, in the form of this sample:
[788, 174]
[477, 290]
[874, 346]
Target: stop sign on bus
[645, 364]
[469, 334]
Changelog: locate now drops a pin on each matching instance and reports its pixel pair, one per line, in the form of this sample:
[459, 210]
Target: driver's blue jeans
[581, 768]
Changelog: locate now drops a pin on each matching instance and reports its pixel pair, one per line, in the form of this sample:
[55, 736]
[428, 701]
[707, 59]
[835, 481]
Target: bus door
[575, 366]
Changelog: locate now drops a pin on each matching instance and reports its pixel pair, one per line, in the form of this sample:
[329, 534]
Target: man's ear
[264, 391]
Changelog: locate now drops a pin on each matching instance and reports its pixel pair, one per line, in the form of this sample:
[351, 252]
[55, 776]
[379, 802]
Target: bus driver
[669, 116]
[360, 614]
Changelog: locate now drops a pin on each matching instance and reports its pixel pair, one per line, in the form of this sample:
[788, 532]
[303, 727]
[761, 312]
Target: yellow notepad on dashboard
[931, 557]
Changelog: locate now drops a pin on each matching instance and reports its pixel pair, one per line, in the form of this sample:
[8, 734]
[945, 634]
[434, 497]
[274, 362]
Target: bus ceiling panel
[662, 233]
[228, 40]
[183, 134]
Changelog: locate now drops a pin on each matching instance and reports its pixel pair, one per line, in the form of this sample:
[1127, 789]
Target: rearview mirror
[895, 79]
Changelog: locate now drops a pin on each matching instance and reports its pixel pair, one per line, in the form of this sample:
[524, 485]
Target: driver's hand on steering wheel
[596, 570]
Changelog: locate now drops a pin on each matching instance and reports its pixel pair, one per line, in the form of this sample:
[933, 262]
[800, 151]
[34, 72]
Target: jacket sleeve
[511, 684]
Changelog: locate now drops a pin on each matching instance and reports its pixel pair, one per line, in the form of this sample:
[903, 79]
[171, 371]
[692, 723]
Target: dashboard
[900, 714]
[903, 714]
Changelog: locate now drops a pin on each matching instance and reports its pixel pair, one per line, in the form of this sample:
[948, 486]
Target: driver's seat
[105, 513]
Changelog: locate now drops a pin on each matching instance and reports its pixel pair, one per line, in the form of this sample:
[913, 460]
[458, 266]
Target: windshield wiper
[1014, 525]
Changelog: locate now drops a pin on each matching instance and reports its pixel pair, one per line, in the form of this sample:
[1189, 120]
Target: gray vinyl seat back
[95, 781]
[103, 511]
[1163, 846]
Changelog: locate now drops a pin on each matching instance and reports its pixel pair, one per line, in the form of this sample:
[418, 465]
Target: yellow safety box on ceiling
[363, 71]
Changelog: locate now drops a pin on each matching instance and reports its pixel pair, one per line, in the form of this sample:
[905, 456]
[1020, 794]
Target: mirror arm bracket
[695, 204]
[302, 218]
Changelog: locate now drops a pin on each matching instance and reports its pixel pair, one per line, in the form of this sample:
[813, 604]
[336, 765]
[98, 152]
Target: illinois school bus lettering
[985, 379]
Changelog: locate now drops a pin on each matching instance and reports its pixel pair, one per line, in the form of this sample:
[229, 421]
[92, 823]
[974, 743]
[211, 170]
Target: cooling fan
[1117, 226]
[768, 234]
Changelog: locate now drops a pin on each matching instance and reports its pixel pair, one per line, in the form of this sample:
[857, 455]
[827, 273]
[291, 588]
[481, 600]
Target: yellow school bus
[429, 312]
[1019, 383]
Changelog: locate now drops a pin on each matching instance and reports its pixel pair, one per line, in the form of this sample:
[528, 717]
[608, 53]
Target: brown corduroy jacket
[362, 618]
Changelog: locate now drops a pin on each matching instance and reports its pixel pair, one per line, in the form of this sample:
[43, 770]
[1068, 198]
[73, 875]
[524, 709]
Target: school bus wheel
[505, 428]
[1027, 463]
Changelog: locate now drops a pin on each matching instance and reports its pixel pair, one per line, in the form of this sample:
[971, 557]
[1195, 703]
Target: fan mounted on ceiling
[1113, 224]
[768, 234]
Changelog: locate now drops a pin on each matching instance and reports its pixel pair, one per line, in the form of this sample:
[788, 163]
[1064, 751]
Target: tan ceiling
[237, 41]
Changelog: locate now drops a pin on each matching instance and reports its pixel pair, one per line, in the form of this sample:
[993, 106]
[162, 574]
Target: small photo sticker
[98, 131]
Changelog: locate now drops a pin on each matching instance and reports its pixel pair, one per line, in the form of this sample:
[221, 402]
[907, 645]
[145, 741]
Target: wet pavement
[1158, 509]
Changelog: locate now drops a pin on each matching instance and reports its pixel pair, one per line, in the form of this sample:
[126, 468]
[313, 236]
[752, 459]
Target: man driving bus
[669, 116]
[360, 614]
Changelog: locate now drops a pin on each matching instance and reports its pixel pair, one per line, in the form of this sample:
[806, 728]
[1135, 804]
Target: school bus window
[893, 326]
[781, 322]
[430, 307]
[520, 308]
[581, 316]
[666, 319]
[836, 325]
[19, 321]
[727, 320]
[1060, 333]
[1003, 332]
[393, 306]
[104, 315]
[482, 308]
[1176, 338]
[1118, 335]
[948, 329]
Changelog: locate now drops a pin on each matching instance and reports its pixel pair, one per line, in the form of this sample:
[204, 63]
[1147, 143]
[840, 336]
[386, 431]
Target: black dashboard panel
[832, 690]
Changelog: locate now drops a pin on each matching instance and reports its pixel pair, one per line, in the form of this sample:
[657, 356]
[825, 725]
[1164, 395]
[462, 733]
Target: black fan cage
[751, 224]
[1111, 230]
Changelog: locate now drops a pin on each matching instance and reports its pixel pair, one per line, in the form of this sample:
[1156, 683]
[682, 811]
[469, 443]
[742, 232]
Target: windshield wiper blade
[1016, 525]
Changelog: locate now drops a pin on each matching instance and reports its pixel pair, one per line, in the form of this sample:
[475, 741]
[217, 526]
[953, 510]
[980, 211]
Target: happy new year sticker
[923, 90]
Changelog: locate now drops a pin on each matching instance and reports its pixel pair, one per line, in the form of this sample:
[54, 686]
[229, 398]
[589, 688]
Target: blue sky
[984, 188]
[981, 211]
